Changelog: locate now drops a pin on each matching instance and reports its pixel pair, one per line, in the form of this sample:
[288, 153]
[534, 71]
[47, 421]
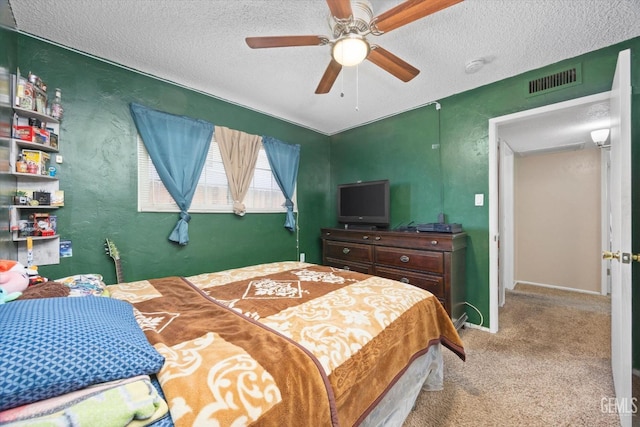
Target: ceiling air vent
[560, 80]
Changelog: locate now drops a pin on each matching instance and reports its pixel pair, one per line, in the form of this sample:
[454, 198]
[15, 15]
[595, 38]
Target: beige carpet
[549, 365]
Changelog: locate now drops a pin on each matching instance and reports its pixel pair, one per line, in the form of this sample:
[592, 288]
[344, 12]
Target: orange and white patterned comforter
[285, 343]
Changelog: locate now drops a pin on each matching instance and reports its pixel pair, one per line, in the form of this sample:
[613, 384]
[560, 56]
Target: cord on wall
[436, 103]
[476, 309]
[441, 216]
[297, 216]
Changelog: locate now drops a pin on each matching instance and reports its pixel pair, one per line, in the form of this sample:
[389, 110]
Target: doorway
[556, 127]
[618, 220]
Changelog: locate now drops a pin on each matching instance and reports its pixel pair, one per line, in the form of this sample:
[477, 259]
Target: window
[212, 193]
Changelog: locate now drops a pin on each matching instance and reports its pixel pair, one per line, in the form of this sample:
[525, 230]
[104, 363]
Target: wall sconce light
[350, 50]
[599, 137]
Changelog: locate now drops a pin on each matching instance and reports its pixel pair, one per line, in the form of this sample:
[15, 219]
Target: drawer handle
[346, 267]
[404, 280]
[365, 237]
[378, 237]
[434, 243]
[346, 251]
[404, 258]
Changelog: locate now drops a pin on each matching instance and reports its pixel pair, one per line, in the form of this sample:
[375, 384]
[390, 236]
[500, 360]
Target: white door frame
[506, 206]
[605, 215]
[501, 202]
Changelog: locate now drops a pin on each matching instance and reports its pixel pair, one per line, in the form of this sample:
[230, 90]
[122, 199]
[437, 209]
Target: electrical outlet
[302, 256]
[479, 199]
[58, 158]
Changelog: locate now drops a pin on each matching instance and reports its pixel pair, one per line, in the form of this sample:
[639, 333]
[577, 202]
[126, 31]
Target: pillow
[82, 285]
[52, 346]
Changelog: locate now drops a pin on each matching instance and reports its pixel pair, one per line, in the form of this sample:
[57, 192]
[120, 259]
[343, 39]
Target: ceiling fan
[351, 23]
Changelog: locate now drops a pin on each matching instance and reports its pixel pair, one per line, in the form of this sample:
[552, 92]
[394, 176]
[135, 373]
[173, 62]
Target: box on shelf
[53, 221]
[43, 197]
[57, 198]
[40, 99]
[25, 228]
[53, 139]
[24, 95]
[41, 224]
[32, 134]
[40, 159]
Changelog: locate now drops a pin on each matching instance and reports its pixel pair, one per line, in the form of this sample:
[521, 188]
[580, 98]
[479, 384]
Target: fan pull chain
[342, 83]
[357, 87]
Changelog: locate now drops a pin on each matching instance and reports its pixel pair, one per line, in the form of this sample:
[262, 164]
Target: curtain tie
[239, 208]
[185, 216]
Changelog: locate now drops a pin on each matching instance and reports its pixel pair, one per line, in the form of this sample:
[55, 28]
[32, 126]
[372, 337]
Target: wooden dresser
[431, 261]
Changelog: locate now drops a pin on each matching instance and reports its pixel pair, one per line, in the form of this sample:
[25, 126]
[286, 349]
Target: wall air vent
[562, 79]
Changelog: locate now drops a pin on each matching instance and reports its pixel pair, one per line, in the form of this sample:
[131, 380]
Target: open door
[620, 190]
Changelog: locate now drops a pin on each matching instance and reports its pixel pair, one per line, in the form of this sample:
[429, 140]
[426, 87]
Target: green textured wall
[99, 176]
[401, 148]
[398, 149]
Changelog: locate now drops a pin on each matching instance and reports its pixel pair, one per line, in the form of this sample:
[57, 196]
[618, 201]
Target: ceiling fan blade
[329, 77]
[340, 9]
[392, 64]
[285, 41]
[407, 12]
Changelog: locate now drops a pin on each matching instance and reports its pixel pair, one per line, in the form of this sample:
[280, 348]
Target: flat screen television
[364, 203]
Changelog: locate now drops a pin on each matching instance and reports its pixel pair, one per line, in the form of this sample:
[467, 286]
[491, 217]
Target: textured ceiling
[200, 44]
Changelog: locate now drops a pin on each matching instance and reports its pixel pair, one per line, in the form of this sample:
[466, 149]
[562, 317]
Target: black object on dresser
[431, 261]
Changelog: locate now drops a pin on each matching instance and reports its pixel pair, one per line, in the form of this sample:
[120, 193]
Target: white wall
[557, 219]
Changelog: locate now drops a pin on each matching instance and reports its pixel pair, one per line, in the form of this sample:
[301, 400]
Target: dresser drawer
[349, 265]
[430, 261]
[364, 236]
[348, 251]
[428, 282]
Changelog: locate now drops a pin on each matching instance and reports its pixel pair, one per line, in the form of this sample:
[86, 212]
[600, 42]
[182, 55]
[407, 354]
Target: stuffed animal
[6, 297]
[13, 280]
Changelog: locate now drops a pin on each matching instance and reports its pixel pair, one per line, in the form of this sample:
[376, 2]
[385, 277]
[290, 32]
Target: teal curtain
[178, 148]
[284, 160]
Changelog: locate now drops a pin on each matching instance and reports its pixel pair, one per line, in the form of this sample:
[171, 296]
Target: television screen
[364, 203]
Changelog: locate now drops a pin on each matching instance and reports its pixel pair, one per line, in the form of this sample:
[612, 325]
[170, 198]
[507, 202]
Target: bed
[285, 343]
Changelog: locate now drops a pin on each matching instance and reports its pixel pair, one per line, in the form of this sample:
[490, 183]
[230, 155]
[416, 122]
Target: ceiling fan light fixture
[350, 50]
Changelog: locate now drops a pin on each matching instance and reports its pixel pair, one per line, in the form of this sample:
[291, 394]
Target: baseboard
[561, 288]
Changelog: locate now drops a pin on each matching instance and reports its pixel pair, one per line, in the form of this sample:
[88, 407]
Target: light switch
[58, 158]
[480, 199]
